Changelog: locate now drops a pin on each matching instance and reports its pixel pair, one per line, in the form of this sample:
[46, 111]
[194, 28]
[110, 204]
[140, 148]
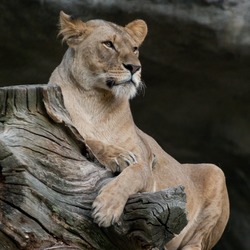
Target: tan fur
[98, 74]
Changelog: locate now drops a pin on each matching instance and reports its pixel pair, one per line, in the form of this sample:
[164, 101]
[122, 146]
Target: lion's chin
[125, 90]
[128, 88]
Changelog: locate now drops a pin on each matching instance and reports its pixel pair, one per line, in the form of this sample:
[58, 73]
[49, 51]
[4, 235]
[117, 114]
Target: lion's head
[103, 55]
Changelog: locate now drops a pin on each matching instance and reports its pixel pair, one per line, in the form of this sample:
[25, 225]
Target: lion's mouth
[111, 82]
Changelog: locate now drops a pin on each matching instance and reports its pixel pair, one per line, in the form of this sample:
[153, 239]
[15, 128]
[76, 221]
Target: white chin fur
[129, 91]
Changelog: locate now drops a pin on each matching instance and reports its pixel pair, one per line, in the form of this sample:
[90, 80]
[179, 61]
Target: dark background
[195, 61]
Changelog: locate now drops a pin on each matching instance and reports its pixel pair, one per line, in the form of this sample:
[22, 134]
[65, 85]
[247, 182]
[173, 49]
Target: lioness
[98, 75]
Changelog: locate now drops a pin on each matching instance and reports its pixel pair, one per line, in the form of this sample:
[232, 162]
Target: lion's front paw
[112, 157]
[108, 206]
[119, 162]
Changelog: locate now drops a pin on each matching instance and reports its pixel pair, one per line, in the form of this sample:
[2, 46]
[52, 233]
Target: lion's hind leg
[192, 247]
[213, 213]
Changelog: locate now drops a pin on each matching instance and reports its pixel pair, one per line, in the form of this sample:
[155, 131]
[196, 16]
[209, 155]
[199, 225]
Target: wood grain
[49, 179]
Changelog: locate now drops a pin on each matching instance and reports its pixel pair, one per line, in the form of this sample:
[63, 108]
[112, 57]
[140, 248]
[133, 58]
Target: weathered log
[49, 179]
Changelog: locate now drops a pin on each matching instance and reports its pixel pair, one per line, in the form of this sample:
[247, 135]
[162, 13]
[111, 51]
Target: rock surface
[196, 67]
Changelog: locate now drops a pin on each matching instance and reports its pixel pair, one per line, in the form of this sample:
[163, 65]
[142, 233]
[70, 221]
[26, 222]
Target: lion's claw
[120, 162]
[112, 157]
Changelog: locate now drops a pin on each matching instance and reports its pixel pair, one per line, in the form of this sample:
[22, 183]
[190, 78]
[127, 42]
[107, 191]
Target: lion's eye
[108, 44]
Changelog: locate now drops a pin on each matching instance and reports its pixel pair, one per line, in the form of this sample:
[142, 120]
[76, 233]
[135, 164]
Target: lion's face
[105, 55]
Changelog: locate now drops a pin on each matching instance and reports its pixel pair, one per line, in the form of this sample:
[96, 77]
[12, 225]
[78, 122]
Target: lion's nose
[132, 68]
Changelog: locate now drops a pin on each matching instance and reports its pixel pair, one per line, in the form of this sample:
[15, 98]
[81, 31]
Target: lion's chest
[110, 131]
[109, 123]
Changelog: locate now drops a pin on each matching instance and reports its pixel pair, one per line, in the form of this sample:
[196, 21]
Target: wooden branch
[49, 179]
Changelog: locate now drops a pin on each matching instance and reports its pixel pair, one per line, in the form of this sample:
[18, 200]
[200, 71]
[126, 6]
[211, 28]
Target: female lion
[98, 75]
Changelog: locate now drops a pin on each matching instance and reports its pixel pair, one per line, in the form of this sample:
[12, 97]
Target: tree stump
[49, 179]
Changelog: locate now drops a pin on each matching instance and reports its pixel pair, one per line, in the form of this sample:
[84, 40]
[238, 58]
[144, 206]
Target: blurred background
[195, 60]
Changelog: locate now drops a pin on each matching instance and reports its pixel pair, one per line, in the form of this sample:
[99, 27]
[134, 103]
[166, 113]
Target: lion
[99, 73]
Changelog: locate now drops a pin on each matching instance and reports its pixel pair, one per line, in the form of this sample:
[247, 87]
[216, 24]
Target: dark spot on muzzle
[110, 83]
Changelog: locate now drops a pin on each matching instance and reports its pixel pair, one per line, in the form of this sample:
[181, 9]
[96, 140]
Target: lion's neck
[96, 112]
[94, 105]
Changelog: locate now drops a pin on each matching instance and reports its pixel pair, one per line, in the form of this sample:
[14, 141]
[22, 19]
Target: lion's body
[99, 73]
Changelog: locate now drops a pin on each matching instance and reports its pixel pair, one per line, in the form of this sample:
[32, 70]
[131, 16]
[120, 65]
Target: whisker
[142, 88]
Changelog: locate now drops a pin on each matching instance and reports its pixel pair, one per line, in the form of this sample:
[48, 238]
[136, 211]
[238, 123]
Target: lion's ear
[72, 30]
[138, 30]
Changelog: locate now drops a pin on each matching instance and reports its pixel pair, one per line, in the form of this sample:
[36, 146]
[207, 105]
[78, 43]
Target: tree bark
[49, 179]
